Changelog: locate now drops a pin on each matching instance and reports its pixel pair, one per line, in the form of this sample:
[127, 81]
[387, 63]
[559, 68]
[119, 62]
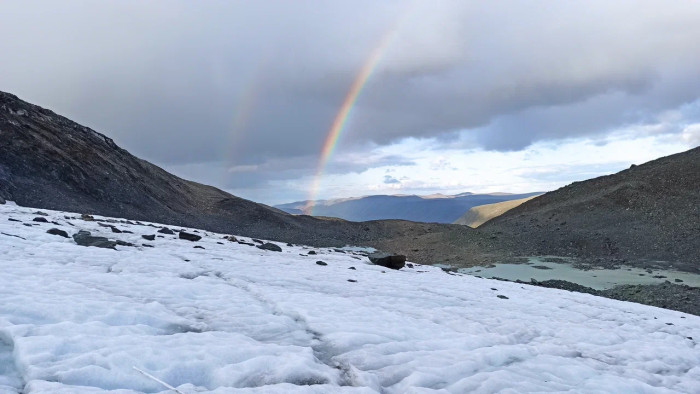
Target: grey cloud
[259, 83]
[388, 179]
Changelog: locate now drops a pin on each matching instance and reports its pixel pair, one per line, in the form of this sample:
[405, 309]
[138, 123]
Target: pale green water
[598, 279]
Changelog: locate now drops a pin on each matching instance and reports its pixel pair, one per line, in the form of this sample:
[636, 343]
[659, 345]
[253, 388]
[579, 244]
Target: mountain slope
[428, 209]
[48, 161]
[232, 318]
[478, 215]
[650, 211]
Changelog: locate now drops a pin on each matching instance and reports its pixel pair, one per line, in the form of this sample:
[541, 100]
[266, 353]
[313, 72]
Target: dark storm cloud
[259, 83]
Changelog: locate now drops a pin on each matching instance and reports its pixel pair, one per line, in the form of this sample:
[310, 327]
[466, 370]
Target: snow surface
[234, 318]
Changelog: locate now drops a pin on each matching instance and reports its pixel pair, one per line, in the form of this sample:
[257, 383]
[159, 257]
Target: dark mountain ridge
[650, 211]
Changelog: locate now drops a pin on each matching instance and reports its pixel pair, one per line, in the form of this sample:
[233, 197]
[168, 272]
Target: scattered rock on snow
[231, 238]
[123, 243]
[502, 296]
[199, 247]
[257, 241]
[83, 238]
[149, 237]
[188, 236]
[14, 220]
[311, 252]
[40, 219]
[41, 213]
[166, 230]
[115, 230]
[321, 262]
[352, 280]
[388, 260]
[270, 246]
[87, 218]
[56, 231]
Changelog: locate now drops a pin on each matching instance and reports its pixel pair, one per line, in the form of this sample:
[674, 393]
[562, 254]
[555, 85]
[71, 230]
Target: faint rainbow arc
[341, 118]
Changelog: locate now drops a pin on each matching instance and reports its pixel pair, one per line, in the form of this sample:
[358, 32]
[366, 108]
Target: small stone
[87, 218]
[311, 252]
[669, 324]
[14, 220]
[188, 236]
[678, 280]
[501, 296]
[352, 280]
[494, 289]
[147, 245]
[352, 268]
[151, 237]
[231, 238]
[123, 243]
[321, 263]
[115, 230]
[166, 230]
[199, 247]
[290, 244]
[56, 231]
[40, 219]
[220, 243]
[409, 265]
[270, 246]
[257, 241]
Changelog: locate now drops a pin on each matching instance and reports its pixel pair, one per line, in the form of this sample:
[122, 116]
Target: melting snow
[235, 318]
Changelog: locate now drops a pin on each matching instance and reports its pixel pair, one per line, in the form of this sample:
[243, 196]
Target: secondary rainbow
[341, 118]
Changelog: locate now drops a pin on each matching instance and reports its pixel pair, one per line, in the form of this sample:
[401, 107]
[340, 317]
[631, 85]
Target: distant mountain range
[434, 208]
[481, 214]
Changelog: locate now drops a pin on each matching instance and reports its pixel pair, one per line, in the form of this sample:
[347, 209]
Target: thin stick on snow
[148, 375]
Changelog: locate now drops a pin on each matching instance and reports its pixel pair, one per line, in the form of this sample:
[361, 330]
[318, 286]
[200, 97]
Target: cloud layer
[248, 90]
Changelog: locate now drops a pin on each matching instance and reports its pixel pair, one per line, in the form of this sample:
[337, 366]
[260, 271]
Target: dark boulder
[312, 252]
[166, 230]
[40, 219]
[56, 231]
[270, 246]
[321, 262]
[123, 243]
[388, 260]
[115, 230]
[189, 237]
[14, 220]
[83, 238]
[149, 237]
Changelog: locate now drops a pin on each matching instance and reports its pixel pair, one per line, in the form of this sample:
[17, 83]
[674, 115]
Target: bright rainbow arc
[341, 118]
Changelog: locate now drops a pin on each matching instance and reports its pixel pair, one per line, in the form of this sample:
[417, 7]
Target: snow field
[234, 318]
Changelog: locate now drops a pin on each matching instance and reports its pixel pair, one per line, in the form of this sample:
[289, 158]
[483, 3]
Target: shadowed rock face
[650, 211]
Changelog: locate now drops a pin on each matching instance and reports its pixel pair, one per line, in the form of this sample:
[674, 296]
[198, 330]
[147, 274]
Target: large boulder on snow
[388, 260]
[83, 238]
[189, 236]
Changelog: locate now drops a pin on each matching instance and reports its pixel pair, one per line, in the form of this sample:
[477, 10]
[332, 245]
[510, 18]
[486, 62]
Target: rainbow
[341, 118]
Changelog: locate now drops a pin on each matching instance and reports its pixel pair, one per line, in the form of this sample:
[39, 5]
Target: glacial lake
[598, 279]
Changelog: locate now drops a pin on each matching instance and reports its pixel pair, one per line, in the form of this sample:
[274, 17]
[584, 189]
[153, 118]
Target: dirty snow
[234, 318]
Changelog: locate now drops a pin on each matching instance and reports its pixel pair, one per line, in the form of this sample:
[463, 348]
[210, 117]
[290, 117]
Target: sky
[431, 96]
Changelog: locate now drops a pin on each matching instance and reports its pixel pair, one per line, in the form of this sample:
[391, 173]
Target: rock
[151, 237]
[321, 263]
[147, 245]
[189, 237]
[409, 265]
[87, 218]
[290, 244]
[166, 230]
[231, 238]
[311, 252]
[541, 267]
[123, 243]
[83, 238]
[220, 243]
[56, 231]
[339, 250]
[678, 280]
[246, 243]
[115, 230]
[257, 241]
[502, 297]
[270, 246]
[41, 213]
[14, 220]
[352, 280]
[199, 247]
[393, 261]
[352, 268]
[40, 219]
